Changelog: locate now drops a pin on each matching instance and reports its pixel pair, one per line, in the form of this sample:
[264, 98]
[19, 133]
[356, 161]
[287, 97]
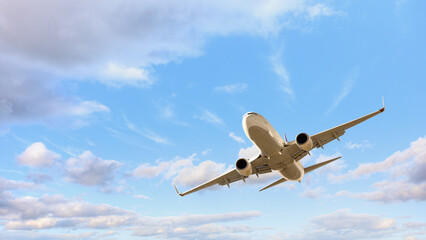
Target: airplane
[277, 154]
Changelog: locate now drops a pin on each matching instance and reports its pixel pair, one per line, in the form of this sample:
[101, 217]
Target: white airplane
[276, 154]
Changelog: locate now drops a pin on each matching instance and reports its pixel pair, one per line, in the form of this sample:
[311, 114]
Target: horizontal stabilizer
[274, 183]
[313, 167]
[307, 170]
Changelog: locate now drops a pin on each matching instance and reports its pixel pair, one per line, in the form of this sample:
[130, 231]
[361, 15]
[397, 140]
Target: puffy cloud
[415, 154]
[232, 88]
[195, 226]
[194, 175]
[141, 196]
[145, 170]
[37, 155]
[312, 193]
[392, 192]
[51, 206]
[40, 223]
[145, 32]
[90, 170]
[6, 184]
[343, 224]
[117, 76]
[26, 99]
[168, 169]
[53, 212]
[345, 220]
[407, 169]
[38, 177]
[249, 152]
[236, 138]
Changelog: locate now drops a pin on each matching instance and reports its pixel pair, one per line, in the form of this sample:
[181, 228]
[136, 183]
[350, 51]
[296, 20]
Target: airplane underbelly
[293, 172]
[264, 140]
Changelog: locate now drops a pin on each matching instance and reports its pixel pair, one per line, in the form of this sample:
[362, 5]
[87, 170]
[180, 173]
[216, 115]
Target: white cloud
[312, 193]
[330, 168]
[37, 155]
[6, 184]
[364, 144]
[236, 138]
[209, 117]
[38, 177]
[116, 75]
[75, 35]
[145, 170]
[57, 212]
[40, 223]
[141, 196]
[90, 170]
[391, 192]
[168, 169]
[232, 88]
[343, 224]
[249, 152]
[408, 181]
[416, 153]
[345, 220]
[191, 176]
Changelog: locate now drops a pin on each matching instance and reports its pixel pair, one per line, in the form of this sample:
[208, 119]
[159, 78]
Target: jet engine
[243, 167]
[304, 141]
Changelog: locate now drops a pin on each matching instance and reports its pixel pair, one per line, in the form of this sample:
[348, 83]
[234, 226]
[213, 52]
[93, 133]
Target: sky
[105, 105]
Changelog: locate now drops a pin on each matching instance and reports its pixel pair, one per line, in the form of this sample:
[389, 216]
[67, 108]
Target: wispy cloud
[346, 89]
[232, 88]
[362, 145]
[209, 117]
[141, 196]
[281, 71]
[146, 133]
[236, 138]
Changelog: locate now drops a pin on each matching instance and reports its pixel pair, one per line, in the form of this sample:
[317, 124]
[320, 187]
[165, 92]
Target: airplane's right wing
[259, 166]
[322, 138]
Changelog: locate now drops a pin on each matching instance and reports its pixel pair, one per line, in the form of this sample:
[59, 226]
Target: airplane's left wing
[259, 166]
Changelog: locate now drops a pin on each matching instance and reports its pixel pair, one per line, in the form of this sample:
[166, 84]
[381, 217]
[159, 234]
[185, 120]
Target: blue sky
[104, 105]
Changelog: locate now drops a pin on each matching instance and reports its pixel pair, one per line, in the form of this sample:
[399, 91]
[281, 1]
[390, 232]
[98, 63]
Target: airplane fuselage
[272, 146]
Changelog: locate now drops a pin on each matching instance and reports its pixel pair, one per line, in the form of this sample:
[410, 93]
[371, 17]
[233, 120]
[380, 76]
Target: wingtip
[383, 108]
[180, 194]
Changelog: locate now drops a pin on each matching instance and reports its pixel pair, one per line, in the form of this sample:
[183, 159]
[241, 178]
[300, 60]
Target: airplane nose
[249, 119]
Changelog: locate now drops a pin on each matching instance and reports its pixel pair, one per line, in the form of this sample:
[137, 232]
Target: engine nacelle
[304, 141]
[243, 167]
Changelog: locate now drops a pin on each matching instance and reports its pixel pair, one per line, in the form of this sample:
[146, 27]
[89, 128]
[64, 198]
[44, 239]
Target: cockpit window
[250, 113]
